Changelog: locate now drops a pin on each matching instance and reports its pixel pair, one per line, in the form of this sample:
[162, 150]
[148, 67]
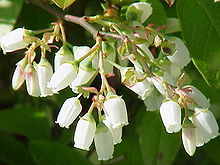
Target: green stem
[35, 32]
[114, 64]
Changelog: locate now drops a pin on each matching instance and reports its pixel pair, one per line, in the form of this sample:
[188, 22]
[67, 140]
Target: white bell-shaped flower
[62, 77]
[181, 56]
[116, 133]
[170, 113]
[80, 51]
[200, 139]
[153, 101]
[197, 97]
[69, 111]
[62, 56]
[85, 132]
[139, 11]
[13, 40]
[103, 142]
[142, 88]
[83, 77]
[31, 77]
[115, 109]
[159, 86]
[44, 72]
[19, 74]
[189, 140]
[206, 123]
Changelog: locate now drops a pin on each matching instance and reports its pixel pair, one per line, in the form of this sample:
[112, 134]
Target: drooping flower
[170, 113]
[19, 74]
[13, 40]
[44, 72]
[206, 124]
[85, 132]
[197, 97]
[69, 111]
[103, 142]
[62, 56]
[139, 11]
[62, 77]
[31, 78]
[115, 109]
[116, 132]
[181, 56]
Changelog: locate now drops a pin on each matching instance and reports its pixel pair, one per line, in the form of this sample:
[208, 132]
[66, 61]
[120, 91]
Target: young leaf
[63, 3]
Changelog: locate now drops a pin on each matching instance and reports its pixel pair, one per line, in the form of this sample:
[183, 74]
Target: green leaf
[51, 153]
[63, 3]
[158, 147]
[10, 10]
[25, 121]
[158, 16]
[201, 30]
[13, 152]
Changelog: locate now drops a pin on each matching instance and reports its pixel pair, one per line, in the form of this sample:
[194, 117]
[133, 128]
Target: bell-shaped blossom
[206, 123]
[153, 101]
[115, 109]
[69, 111]
[80, 51]
[31, 77]
[159, 86]
[200, 139]
[19, 74]
[197, 97]
[44, 72]
[83, 77]
[85, 132]
[139, 11]
[189, 140]
[170, 113]
[62, 77]
[62, 56]
[181, 56]
[103, 142]
[13, 40]
[116, 132]
[142, 88]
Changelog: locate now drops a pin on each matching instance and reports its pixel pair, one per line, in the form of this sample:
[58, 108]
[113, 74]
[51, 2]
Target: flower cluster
[154, 72]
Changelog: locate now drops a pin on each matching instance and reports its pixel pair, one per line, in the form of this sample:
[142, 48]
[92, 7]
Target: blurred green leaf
[158, 16]
[25, 121]
[63, 3]
[13, 152]
[158, 147]
[201, 30]
[10, 10]
[51, 153]
[212, 150]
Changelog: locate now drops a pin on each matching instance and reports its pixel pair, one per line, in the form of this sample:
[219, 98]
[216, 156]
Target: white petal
[189, 140]
[170, 113]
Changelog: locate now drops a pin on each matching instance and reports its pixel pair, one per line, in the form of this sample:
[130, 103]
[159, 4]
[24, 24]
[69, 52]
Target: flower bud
[32, 81]
[85, 132]
[62, 56]
[181, 57]
[69, 111]
[189, 137]
[13, 40]
[116, 133]
[139, 11]
[19, 74]
[44, 72]
[62, 77]
[115, 109]
[197, 97]
[103, 142]
[206, 123]
[170, 113]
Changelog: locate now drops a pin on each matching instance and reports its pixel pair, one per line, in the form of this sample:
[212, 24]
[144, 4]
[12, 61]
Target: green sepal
[187, 123]
[101, 127]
